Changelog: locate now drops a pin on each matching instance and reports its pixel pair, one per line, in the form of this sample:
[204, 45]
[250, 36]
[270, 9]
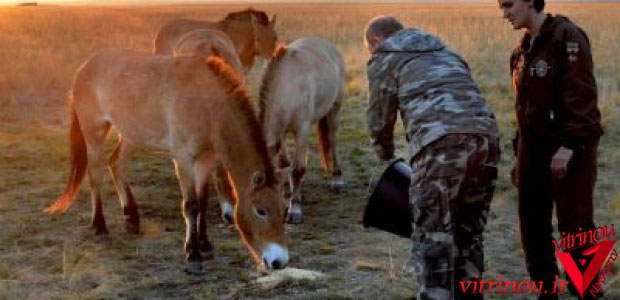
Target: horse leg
[185, 174]
[202, 171]
[204, 245]
[284, 166]
[226, 194]
[332, 127]
[295, 215]
[95, 136]
[117, 163]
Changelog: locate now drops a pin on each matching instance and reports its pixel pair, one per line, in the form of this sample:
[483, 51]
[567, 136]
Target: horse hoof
[131, 228]
[207, 250]
[294, 218]
[102, 237]
[207, 255]
[194, 268]
[99, 230]
[337, 183]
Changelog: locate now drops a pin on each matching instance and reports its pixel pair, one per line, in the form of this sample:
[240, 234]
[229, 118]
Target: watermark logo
[590, 261]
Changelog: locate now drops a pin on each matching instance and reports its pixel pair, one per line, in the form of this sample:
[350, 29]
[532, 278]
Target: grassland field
[57, 257]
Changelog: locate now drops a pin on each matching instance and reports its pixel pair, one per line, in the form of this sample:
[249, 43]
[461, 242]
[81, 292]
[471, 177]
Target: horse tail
[324, 143]
[78, 162]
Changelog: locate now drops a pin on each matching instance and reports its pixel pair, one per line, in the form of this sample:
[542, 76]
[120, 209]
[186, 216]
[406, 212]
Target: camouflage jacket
[414, 73]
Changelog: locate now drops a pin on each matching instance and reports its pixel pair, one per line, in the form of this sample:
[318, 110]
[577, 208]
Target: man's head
[379, 29]
[520, 13]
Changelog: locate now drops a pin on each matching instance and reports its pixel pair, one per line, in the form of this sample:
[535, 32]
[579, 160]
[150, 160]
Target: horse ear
[258, 179]
[273, 20]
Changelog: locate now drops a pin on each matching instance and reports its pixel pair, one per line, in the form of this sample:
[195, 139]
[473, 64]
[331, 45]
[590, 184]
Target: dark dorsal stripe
[265, 87]
[235, 88]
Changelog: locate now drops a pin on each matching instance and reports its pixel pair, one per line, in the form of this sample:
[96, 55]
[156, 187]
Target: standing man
[559, 130]
[453, 141]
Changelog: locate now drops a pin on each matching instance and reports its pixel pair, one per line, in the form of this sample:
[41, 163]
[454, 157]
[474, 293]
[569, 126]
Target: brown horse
[198, 111]
[252, 34]
[250, 30]
[304, 84]
[203, 43]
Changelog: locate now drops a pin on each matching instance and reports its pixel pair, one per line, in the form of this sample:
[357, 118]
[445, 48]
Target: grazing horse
[304, 84]
[199, 112]
[250, 30]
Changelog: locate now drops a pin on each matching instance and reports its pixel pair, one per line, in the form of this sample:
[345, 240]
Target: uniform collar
[545, 30]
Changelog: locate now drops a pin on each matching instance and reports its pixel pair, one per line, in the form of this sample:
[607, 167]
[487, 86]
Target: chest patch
[539, 68]
[572, 47]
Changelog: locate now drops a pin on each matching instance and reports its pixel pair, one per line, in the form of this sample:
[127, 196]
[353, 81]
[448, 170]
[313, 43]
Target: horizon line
[267, 2]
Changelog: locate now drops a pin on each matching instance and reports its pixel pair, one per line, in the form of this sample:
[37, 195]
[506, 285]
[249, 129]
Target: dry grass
[44, 257]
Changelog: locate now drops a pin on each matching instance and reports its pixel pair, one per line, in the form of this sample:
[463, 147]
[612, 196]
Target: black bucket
[388, 207]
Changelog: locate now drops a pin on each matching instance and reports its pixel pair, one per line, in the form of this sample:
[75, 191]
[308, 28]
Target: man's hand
[386, 156]
[384, 153]
[514, 177]
[559, 162]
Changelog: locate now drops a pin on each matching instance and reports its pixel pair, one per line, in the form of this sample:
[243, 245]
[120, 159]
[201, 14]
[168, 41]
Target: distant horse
[304, 84]
[198, 111]
[250, 30]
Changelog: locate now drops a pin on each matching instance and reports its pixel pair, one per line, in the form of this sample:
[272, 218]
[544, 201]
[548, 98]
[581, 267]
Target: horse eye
[261, 212]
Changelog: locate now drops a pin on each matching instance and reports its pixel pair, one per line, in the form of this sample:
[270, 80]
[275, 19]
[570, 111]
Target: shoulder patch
[572, 48]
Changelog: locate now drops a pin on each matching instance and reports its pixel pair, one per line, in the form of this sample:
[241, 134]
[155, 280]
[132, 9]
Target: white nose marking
[274, 252]
[227, 209]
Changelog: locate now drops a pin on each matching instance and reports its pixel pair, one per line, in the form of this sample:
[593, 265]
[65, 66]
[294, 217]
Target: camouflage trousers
[451, 190]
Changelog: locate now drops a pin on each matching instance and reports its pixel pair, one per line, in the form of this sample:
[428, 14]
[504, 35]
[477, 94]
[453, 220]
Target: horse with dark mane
[195, 109]
[250, 30]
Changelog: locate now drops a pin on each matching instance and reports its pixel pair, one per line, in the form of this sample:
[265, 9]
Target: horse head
[265, 36]
[260, 220]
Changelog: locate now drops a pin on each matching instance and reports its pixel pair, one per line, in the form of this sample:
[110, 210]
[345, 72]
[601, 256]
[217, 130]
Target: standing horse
[198, 111]
[252, 34]
[203, 43]
[304, 84]
[250, 30]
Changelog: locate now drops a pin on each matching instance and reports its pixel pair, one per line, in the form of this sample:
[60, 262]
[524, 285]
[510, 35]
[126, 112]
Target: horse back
[154, 101]
[322, 68]
[170, 33]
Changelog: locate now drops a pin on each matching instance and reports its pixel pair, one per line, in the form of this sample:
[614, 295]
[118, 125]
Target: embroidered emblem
[540, 68]
[572, 47]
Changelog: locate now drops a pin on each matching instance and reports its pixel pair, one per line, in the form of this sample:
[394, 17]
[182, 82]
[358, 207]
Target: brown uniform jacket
[556, 89]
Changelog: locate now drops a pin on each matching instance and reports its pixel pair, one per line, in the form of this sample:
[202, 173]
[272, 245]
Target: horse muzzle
[275, 256]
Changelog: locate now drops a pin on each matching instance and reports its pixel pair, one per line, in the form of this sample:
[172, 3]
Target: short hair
[539, 5]
[382, 26]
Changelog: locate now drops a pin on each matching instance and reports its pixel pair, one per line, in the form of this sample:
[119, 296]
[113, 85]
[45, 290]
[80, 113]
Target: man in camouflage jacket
[453, 141]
